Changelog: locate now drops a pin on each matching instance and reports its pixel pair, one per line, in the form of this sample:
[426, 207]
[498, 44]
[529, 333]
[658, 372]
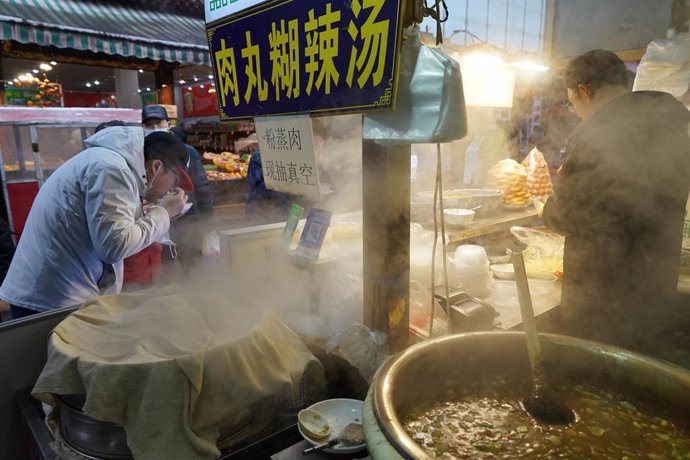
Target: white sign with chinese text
[288, 158]
[218, 9]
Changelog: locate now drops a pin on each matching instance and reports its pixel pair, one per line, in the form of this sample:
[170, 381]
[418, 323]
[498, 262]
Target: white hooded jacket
[86, 219]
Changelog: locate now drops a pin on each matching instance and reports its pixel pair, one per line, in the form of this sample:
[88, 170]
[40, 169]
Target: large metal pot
[410, 378]
[92, 437]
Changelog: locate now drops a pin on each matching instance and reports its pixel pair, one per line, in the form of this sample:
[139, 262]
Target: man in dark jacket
[188, 231]
[619, 201]
[202, 196]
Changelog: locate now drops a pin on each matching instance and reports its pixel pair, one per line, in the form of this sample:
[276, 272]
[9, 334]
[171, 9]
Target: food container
[456, 362]
[488, 199]
[458, 217]
[503, 271]
[471, 254]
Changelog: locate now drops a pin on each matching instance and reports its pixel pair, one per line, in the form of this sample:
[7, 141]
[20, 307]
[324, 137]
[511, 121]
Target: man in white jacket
[88, 217]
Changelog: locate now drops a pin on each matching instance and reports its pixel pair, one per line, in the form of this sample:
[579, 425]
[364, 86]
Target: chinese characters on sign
[307, 56]
[288, 159]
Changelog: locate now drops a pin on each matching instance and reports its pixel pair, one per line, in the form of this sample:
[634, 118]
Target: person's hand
[174, 202]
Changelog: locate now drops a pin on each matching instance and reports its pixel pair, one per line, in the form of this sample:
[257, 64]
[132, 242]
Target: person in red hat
[162, 155]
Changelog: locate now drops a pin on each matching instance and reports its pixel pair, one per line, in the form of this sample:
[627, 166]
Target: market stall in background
[34, 143]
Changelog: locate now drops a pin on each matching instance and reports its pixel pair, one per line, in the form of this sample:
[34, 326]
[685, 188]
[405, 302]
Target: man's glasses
[569, 105]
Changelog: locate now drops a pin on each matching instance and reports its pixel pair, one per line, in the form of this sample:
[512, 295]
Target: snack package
[538, 177]
[510, 178]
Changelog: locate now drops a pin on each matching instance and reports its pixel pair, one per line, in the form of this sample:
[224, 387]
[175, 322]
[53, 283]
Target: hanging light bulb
[88, 85]
[96, 82]
[35, 71]
[182, 82]
[210, 77]
[45, 67]
[141, 70]
[53, 63]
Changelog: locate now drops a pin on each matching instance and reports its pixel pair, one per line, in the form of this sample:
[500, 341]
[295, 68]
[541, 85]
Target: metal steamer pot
[90, 437]
[421, 373]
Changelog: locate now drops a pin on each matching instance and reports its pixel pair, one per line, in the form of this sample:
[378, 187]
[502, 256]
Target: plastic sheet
[544, 253]
[361, 347]
[430, 103]
[665, 66]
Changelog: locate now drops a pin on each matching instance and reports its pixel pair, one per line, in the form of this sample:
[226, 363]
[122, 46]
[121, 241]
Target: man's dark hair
[180, 133]
[167, 148]
[108, 124]
[595, 69]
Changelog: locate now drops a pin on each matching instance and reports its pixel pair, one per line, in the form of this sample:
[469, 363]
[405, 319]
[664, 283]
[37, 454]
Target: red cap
[186, 183]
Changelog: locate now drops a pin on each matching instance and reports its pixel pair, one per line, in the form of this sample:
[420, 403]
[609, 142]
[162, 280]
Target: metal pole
[386, 229]
[35, 152]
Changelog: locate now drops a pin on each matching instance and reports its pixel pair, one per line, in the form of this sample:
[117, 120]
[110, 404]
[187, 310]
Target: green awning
[109, 28]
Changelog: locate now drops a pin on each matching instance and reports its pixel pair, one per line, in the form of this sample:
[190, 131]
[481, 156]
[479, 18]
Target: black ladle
[542, 404]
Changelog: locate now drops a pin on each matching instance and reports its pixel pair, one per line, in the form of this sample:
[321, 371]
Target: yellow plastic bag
[538, 177]
[510, 177]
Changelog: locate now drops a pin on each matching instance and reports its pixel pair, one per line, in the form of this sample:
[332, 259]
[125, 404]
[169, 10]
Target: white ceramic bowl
[458, 217]
[339, 413]
[503, 271]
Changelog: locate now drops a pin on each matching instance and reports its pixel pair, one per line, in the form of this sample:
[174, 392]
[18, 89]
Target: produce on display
[224, 166]
[510, 178]
[538, 177]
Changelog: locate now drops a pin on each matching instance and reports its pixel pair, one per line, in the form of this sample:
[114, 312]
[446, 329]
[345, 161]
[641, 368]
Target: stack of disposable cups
[471, 267]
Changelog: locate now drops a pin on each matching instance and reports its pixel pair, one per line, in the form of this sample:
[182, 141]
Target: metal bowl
[91, 437]
[453, 359]
[488, 199]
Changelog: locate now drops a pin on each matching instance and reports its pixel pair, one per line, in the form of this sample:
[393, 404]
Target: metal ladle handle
[528, 321]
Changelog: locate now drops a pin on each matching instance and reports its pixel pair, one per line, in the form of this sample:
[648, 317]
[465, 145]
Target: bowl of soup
[461, 396]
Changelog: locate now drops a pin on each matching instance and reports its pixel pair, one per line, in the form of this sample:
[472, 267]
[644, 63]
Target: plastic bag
[210, 245]
[544, 253]
[361, 347]
[665, 66]
[510, 177]
[420, 313]
[430, 106]
[342, 300]
[538, 177]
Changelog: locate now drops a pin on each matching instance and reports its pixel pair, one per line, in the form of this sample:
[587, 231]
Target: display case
[34, 142]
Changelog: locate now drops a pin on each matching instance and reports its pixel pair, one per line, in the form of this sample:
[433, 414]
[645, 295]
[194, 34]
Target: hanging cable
[438, 198]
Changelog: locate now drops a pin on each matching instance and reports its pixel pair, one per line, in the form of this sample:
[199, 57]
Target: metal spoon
[542, 404]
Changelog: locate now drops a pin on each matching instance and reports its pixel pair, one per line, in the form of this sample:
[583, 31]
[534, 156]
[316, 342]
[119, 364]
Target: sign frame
[386, 88]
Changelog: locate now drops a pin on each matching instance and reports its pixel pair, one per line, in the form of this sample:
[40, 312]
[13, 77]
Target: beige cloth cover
[178, 368]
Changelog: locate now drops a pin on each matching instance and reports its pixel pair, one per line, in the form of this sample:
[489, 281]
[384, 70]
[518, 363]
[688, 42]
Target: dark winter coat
[620, 201]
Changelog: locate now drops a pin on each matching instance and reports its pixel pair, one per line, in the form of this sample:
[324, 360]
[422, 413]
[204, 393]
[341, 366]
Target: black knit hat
[167, 148]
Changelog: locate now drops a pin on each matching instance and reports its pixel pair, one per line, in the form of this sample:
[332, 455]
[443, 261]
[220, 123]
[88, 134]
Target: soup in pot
[486, 420]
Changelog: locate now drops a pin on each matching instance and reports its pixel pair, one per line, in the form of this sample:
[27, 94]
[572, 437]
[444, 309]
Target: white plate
[339, 413]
